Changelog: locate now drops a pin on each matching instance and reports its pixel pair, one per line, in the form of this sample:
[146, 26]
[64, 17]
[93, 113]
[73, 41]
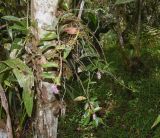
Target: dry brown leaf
[71, 30]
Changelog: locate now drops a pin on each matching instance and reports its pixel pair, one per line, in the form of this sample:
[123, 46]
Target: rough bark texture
[46, 120]
[43, 12]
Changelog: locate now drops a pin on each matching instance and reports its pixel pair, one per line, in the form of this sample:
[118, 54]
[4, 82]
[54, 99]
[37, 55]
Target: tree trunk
[46, 121]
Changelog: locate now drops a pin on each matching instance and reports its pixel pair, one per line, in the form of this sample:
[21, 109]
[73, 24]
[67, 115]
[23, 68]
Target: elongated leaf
[49, 36]
[123, 1]
[22, 72]
[48, 75]
[11, 18]
[19, 28]
[97, 109]
[28, 101]
[157, 121]
[25, 79]
[17, 63]
[50, 64]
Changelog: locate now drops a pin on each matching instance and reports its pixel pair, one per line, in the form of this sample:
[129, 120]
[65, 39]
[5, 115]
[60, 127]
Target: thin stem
[138, 28]
[81, 9]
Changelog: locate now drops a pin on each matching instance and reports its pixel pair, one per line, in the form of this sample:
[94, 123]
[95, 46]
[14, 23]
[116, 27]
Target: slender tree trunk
[46, 121]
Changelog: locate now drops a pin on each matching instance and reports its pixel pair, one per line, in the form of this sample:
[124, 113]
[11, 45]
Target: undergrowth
[125, 113]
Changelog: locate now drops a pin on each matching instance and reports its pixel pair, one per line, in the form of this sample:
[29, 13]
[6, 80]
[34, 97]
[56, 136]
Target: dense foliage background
[111, 67]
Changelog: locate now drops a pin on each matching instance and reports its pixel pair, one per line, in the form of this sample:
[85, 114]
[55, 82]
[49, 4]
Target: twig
[6, 108]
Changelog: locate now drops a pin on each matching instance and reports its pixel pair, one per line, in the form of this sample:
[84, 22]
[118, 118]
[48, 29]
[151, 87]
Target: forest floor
[132, 113]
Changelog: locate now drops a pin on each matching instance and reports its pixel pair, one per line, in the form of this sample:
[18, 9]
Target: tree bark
[43, 13]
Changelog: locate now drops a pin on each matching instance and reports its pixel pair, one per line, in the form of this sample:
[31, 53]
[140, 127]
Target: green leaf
[49, 36]
[86, 118]
[25, 79]
[48, 75]
[22, 73]
[11, 18]
[28, 101]
[65, 6]
[17, 43]
[157, 121]
[66, 52]
[18, 28]
[45, 47]
[50, 64]
[7, 83]
[57, 80]
[93, 19]
[18, 64]
[97, 109]
[123, 1]
[4, 72]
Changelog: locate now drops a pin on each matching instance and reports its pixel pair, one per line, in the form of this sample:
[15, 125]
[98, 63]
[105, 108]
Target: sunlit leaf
[80, 98]
[157, 121]
[97, 109]
[65, 6]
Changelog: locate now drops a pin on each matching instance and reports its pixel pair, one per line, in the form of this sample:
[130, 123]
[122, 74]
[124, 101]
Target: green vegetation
[101, 59]
[125, 113]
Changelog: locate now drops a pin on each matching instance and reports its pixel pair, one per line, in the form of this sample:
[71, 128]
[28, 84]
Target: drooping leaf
[25, 79]
[28, 101]
[11, 18]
